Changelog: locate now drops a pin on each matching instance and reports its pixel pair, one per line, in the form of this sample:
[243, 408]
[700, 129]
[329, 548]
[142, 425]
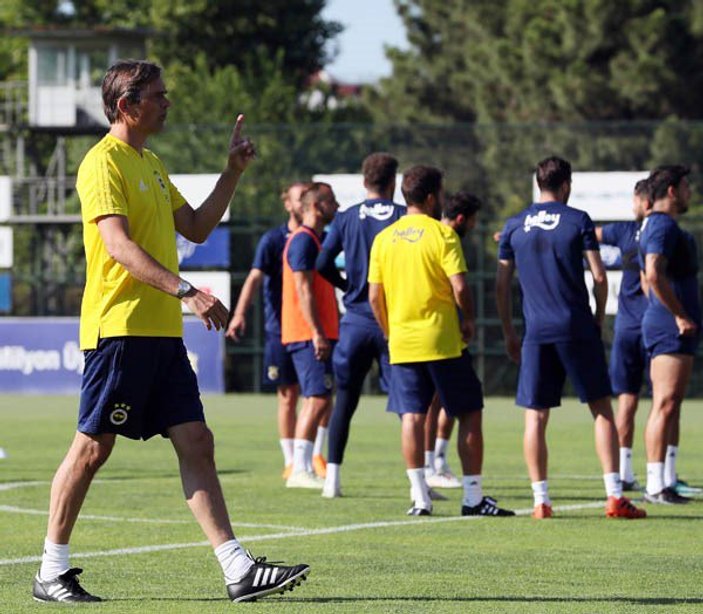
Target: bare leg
[625, 420]
[287, 402]
[431, 424]
[311, 416]
[470, 443]
[670, 375]
[606, 435]
[412, 440]
[535, 443]
[445, 425]
[195, 447]
[72, 480]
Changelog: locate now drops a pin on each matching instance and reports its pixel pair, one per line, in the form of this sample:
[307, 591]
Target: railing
[13, 103]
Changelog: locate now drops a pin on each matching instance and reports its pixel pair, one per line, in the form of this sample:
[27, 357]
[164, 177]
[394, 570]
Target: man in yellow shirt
[137, 380]
[416, 281]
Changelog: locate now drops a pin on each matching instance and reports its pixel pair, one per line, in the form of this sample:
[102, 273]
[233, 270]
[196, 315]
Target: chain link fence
[493, 161]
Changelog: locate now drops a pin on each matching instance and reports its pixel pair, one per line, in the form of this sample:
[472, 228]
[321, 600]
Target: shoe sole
[288, 585]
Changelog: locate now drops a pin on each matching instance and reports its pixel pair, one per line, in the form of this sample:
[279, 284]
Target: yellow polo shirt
[413, 259]
[115, 179]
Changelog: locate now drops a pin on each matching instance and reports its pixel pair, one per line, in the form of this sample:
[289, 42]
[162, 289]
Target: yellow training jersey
[114, 178]
[413, 259]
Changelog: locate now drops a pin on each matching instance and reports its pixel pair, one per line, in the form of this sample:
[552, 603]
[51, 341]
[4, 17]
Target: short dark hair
[311, 194]
[461, 203]
[662, 177]
[642, 187]
[419, 182]
[552, 173]
[126, 78]
[379, 171]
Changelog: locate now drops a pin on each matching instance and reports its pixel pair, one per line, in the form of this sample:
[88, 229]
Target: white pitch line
[20, 510]
[301, 533]
[13, 485]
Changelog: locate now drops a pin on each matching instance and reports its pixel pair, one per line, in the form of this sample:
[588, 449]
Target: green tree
[545, 60]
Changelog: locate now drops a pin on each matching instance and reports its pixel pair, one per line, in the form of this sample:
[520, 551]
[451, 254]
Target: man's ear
[124, 106]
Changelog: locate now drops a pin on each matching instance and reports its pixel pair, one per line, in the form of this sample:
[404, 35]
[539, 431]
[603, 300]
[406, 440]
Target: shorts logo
[328, 381]
[272, 373]
[543, 220]
[119, 415]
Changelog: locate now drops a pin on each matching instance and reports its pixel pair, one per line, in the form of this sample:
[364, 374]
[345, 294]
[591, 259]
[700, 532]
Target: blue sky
[369, 24]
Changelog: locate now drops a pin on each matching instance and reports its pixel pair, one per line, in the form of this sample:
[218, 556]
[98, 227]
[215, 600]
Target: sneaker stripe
[267, 573]
[274, 575]
[257, 577]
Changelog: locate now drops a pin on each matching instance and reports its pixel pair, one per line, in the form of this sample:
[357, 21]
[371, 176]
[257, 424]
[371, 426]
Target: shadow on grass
[506, 599]
[650, 601]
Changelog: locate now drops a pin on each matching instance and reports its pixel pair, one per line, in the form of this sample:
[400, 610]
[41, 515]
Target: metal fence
[493, 161]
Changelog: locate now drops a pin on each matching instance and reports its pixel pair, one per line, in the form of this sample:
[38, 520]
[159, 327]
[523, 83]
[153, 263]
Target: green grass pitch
[365, 554]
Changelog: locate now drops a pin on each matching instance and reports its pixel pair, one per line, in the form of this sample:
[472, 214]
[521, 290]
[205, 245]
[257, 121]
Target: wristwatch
[183, 288]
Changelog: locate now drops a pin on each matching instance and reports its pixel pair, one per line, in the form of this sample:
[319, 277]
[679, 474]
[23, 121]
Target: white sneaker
[304, 479]
[443, 480]
[330, 492]
[436, 496]
[3, 454]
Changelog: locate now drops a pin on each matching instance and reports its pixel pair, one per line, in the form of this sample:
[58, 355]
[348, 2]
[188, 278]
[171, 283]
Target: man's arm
[114, 231]
[377, 301]
[658, 282]
[303, 287]
[504, 277]
[197, 224]
[600, 283]
[238, 324]
[465, 301]
[599, 234]
[326, 267]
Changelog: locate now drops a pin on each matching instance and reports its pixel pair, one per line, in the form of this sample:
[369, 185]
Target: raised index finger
[237, 128]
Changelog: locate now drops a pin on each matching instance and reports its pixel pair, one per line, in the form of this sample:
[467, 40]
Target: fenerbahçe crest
[272, 373]
[119, 415]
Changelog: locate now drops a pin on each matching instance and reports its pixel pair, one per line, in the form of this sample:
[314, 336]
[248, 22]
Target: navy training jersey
[353, 231]
[631, 300]
[269, 260]
[546, 242]
[661, 234]
[302, 251]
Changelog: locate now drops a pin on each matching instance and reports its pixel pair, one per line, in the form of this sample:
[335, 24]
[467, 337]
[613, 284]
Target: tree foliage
[546, 60]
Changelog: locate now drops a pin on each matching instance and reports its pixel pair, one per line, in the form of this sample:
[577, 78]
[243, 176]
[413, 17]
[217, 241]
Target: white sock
[54, 560]
[429, 463]
[540, 493]
[613, 484]
[418, 488]
[626, 473]
[473, 490]
[234, 561]
[440, 453]
[670, 465]
[319, 440]
[302, 455]
[655, 478]
[287, 449]
[332, 477]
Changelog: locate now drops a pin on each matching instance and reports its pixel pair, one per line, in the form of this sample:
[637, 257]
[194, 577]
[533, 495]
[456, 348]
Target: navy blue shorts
[315, 376]
[544, 366]
[356, 349]
[278, 364]
[413, 385]
[658, 342]
[138, 387]
[629, 362]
